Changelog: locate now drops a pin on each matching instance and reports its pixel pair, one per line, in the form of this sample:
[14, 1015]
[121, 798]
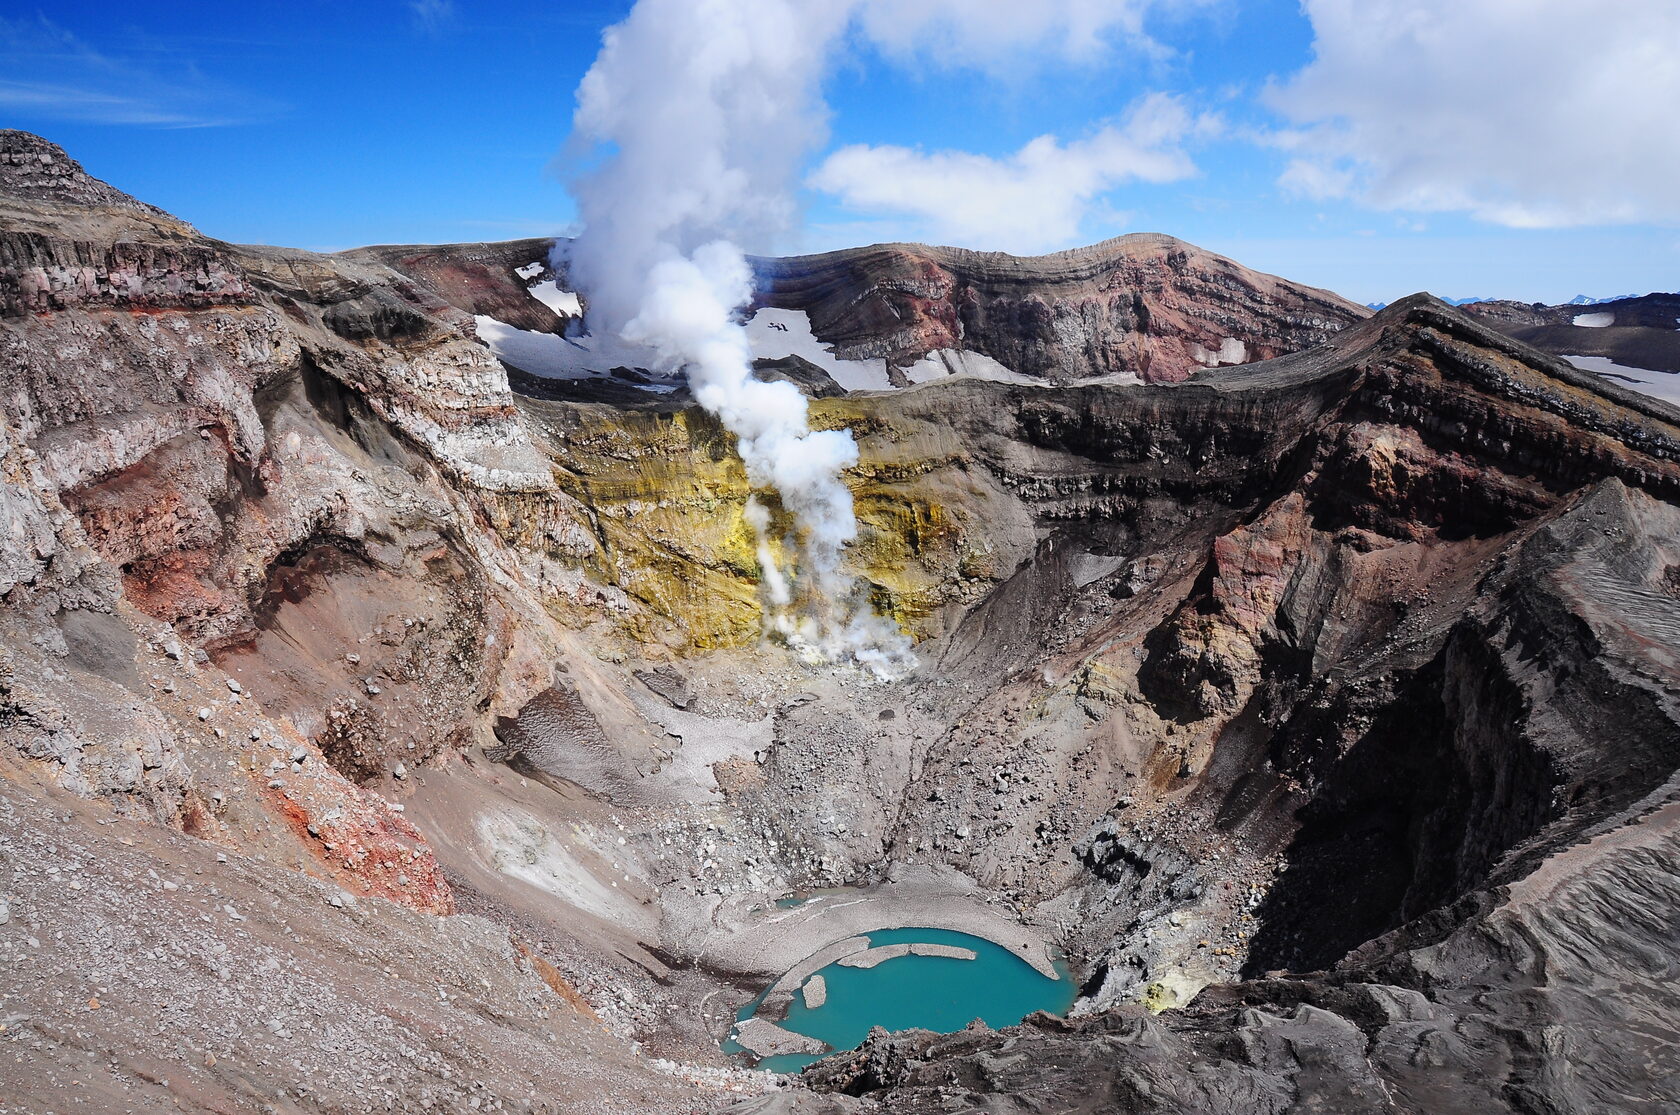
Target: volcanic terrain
[385, 727]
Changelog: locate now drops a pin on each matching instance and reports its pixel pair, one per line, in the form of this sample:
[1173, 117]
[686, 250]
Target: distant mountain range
[1578, 300]
[1583, 300]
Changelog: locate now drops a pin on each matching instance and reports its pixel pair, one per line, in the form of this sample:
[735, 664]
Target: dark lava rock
[803, 374]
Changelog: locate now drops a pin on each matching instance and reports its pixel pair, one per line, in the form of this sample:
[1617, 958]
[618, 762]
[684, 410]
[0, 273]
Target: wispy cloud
[432, 15]
[90, 106]
[55, 76]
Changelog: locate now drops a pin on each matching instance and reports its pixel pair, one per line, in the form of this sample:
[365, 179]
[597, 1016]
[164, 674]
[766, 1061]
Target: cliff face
[1366, 667]
[1326, 703]
[477, 278]
[1143, 305]
[279, 538]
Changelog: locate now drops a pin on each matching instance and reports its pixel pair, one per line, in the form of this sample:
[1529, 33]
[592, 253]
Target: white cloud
[1007, 34]
[1036, 199]
[712, 107]
[1527, 113]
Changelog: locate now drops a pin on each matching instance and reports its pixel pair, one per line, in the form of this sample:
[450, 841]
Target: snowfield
[773, 334]
[1658, 385]
[564, 303]
[956, 362]
[553, 357]
[1231, 351]
[778, 333]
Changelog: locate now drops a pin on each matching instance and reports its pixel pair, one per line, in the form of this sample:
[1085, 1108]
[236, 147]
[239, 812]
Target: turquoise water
[920, 992]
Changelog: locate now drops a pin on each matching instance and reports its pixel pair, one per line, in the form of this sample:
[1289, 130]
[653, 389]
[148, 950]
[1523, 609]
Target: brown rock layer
[1144, 305]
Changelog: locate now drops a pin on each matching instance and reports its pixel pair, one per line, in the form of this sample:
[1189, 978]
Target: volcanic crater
[390, 728]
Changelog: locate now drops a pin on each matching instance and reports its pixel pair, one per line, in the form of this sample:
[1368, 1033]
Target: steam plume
[705, 111]
[709, 108]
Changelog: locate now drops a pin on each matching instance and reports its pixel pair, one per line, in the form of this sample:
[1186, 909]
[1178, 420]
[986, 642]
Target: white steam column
[704, 110]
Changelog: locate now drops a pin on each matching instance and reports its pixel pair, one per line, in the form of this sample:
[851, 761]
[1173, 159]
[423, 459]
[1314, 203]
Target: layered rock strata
[1144, 305]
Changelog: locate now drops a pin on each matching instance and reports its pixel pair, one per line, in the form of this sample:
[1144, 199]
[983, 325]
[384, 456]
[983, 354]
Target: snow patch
[552, 357]
[529, 271]
[944, 362]
[774, 334]
[1231, 351]
[564, 303]
[1658, 385]
[1594, 321]
[520, 846]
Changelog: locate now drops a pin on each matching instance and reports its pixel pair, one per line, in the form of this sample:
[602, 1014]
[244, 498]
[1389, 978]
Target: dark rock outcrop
[810, 379]
[37, 170]
[70, 241]
[476, 278]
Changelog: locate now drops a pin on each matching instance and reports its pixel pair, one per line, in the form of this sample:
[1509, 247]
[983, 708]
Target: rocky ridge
[1145, 305]
[1641, 332]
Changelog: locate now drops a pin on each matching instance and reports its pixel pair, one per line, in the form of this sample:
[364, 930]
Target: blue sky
[1395, 164]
